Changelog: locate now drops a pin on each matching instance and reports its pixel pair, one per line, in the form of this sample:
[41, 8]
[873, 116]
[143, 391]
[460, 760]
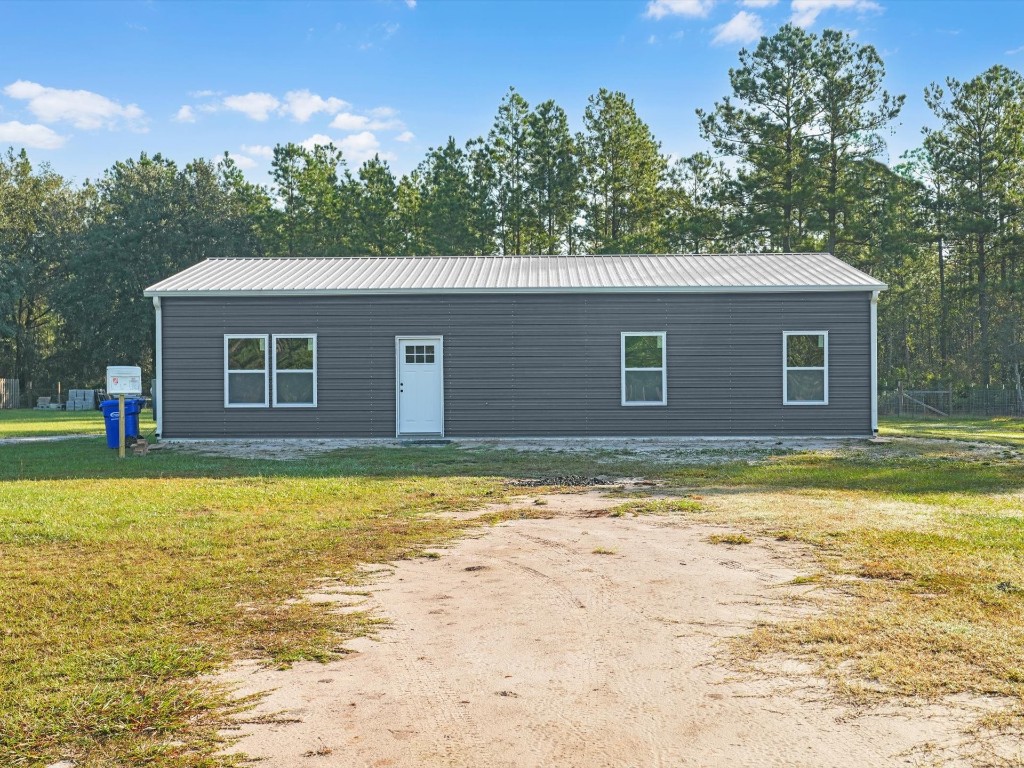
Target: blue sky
[85, 84]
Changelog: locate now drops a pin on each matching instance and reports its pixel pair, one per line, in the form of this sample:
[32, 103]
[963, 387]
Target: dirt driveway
[579, 640]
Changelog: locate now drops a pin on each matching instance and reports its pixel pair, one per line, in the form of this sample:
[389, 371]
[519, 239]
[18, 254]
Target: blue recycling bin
[132, 408]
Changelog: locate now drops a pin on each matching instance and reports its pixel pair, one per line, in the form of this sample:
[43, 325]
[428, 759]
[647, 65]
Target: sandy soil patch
[605, 450]
[658, 450]
[579, 640]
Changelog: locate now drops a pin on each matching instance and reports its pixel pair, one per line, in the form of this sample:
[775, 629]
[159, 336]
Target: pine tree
[552, 178]
[765, 124]
[377, 210]
[622, 171]
[505, 157]
[317, 202]
[696, 207]
[978, 152]
[852, 109]
[455, 207]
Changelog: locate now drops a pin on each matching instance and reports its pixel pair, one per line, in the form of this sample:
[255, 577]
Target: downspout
[158, 386]
[874, 363]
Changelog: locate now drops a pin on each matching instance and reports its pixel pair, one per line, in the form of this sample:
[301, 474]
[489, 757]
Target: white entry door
[420, 385]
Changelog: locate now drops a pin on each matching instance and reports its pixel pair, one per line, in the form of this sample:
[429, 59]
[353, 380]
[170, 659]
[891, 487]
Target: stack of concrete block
[81, 400]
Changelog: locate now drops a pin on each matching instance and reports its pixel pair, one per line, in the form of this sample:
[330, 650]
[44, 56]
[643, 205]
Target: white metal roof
[695, 273]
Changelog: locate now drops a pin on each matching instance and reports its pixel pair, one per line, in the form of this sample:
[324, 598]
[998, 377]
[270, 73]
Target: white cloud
[33, 136]
[356, 148]
[257, 106]
[405, 136]
[742, 28]
[259, 150]
[410, 3]
[659, 9]
[302, 105]
[242, 161]
[806, 12]
[759, 3]
[346, 121]
[317, 139]
[185, 115]
[204, 94]
[360, 146]
[382, 120]
[1015, 51]
[83, 109]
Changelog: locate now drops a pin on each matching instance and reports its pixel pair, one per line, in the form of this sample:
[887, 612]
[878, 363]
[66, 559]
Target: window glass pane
[293, 388]
[643, 351]
[295, 354]
[644, 387]
[245, 388]
[246, 354]
[805, 351]
[419, 353]
[805, 386]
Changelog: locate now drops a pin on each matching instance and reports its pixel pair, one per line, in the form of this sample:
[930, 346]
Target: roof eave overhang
[478, 291]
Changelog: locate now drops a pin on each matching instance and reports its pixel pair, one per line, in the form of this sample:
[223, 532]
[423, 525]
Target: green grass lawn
[121, 582]
[25, 422]
[1005, 430]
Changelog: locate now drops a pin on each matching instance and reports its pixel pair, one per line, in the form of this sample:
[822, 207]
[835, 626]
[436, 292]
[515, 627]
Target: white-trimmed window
[643, 368]
[805, 368]
[295, 370]
[246, 371]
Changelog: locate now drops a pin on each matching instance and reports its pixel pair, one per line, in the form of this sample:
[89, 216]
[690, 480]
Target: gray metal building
[469, 346]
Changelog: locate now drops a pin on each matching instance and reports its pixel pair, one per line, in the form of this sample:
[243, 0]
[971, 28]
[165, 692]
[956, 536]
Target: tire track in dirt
[523, 648]
[602, 594]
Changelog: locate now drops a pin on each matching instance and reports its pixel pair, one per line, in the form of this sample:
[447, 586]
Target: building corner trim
[158, 353]
[874, 362]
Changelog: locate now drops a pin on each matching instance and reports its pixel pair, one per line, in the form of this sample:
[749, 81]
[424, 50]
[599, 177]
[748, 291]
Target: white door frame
[439, 340]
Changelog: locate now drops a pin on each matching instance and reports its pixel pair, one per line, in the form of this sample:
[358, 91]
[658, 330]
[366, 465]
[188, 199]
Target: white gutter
[874, 362]
[159, 354]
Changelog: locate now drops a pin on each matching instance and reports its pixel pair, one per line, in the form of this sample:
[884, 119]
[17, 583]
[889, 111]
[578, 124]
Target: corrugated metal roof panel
[482, 274]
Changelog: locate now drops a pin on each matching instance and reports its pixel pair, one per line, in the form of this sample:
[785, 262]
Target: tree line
[794, 162]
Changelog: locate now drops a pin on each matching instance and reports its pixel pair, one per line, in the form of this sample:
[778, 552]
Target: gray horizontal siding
[527, 365]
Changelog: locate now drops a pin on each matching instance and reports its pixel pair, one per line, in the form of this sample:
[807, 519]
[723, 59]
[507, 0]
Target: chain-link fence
[939, 403]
